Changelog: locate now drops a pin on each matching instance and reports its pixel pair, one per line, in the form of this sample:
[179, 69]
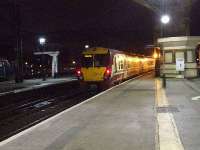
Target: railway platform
[136, 115]
[8, 87]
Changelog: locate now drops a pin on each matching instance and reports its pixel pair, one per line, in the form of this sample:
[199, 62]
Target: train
[5, 70]
[105, 67]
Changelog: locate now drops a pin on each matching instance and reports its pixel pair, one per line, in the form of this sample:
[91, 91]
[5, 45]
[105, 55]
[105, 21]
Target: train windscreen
[98, 60]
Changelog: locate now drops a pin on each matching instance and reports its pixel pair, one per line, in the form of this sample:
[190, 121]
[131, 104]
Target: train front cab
[95, 68]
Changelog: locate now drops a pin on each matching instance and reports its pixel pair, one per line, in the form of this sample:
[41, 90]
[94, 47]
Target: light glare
[165, 19]
[42, 40]
[87, 46]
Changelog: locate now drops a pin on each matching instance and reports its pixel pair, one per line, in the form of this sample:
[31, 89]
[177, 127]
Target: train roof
[96, 50]
[101, 50]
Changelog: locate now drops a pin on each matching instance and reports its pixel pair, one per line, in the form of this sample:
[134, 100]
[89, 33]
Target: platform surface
[7, 87]
[138, 115]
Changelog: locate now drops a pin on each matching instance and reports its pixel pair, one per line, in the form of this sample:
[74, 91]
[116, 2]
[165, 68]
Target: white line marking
[10, 139]
[168, 136]
[197, 98]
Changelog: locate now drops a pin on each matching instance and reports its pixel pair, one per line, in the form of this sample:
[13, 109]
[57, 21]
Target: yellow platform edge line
[167, 134]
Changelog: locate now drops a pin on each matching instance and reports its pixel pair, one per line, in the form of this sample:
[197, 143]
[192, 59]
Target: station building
[187, 48]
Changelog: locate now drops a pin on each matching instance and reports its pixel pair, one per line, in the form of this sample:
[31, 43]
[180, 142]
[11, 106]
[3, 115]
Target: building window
[168, 57]
[189, 56]
[180, 55]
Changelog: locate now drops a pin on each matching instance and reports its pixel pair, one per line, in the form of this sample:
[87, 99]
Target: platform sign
[180, 64]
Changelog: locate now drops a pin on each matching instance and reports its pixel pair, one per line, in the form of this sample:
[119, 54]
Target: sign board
[180, 64]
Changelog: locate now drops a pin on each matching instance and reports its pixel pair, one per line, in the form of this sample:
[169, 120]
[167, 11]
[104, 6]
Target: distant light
[79, 72]
[42, 40]
[31, 66]
[40, 66]
[155, 55]
[165, 19]
[87, 46]
[26, 63]
[73, 62]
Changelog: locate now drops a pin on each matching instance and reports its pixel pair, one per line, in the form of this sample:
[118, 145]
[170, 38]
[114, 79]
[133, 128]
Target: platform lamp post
[165, 19]
[18, 41]
[42, 42]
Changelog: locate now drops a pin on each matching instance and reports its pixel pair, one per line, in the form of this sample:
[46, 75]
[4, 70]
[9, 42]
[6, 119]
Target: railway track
[32, 110]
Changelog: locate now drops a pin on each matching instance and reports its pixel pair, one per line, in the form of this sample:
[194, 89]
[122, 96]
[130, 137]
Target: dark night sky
[119, 24]
[72, 24]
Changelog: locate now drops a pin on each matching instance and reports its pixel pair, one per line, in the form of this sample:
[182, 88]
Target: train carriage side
[148, 64]
[124, 65]
[133, 65]
[118, 65]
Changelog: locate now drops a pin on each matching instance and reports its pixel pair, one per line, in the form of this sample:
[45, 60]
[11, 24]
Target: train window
[101, 60]
[87, 61]
[115, 63]
[122, 65]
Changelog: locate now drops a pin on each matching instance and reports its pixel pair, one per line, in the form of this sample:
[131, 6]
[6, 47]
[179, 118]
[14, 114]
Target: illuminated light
[26, 63]
[155, 55]
[73, 62]
[165, 19]
[87, 46]
[42, 40]
[87, 56]
[107, 73]
[78, 72]
[40, 66]
[31, 66]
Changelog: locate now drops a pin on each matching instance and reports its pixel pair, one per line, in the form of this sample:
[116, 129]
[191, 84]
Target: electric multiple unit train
[105, 67]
